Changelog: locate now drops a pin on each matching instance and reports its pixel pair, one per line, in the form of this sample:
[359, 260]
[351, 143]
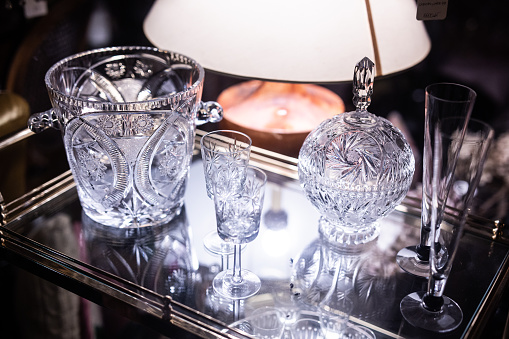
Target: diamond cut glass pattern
[356, 177]
[347, 161]
[355, 168]
[128, 117]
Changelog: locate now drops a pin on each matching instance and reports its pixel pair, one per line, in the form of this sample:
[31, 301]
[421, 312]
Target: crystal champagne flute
[431, 309]
[443, 102]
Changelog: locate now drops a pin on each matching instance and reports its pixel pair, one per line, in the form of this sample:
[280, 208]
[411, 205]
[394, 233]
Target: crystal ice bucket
[128, 117]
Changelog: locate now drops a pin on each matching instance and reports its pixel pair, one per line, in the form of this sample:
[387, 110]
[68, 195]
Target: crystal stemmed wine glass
[432, 310]
[225, 157]
[443, 101]
[238, 214]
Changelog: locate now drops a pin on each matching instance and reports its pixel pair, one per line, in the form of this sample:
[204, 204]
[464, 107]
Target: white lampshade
[291, 40]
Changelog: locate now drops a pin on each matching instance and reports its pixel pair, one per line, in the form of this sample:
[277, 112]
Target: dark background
[469, 47]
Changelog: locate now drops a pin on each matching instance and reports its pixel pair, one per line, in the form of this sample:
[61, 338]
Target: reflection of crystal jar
[375, 285]
[355, 168]
[365, 275]
[322, 267]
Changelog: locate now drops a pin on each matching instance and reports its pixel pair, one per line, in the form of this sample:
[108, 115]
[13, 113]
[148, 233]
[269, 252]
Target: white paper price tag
[35, 8]
[431, 9]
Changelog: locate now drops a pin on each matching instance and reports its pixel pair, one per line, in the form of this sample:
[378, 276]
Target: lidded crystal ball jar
[355, 168]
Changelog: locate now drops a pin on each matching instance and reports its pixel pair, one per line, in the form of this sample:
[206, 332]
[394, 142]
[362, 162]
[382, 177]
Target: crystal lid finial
[363, 76]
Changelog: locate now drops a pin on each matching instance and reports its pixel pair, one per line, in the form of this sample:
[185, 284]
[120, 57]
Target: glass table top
[161, 276]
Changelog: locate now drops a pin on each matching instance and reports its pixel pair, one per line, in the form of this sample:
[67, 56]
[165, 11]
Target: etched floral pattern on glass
[225, 160]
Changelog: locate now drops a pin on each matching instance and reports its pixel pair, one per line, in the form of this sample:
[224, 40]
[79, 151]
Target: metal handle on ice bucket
[38, 122]
[209, 111]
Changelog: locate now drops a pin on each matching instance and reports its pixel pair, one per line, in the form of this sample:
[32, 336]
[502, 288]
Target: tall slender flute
[431, 309]
[444, 101]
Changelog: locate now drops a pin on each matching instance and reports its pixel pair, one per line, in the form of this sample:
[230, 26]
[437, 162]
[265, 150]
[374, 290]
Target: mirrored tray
[161, 276]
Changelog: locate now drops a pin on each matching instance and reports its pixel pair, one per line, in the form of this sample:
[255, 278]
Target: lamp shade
[290, 40]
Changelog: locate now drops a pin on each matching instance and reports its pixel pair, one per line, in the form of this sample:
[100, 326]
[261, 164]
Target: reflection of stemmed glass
[443, 102]
[311, 328]
[238, 214]
[225, 157]
[432, 310]
[307, 328]
[335, 309]
[265, 322]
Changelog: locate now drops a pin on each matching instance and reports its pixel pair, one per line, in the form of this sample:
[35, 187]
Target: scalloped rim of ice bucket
[151, 104]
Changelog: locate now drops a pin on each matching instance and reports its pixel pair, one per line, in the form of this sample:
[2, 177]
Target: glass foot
[407, 259]
[215, 245]
[226, 287]
[445, 320]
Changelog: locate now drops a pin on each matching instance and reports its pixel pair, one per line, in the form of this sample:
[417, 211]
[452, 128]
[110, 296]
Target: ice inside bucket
[128, 117]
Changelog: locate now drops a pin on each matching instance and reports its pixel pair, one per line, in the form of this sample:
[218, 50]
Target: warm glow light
[282, 112]
[279, 107]
[292, 41]
[277, 116]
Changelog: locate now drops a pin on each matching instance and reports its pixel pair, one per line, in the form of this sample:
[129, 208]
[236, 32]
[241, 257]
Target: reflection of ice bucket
[128, 117]
[160, 258]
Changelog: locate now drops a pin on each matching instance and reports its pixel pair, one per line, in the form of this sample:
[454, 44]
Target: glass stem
[236, 310]
[237, 268]
[433, 299]
[432, 303]
[423, 249]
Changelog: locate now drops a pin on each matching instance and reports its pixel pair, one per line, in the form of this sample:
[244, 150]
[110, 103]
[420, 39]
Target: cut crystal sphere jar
[355, 168]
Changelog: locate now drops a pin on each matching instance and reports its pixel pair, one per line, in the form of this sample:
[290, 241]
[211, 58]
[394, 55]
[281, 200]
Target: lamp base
[277, 116]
